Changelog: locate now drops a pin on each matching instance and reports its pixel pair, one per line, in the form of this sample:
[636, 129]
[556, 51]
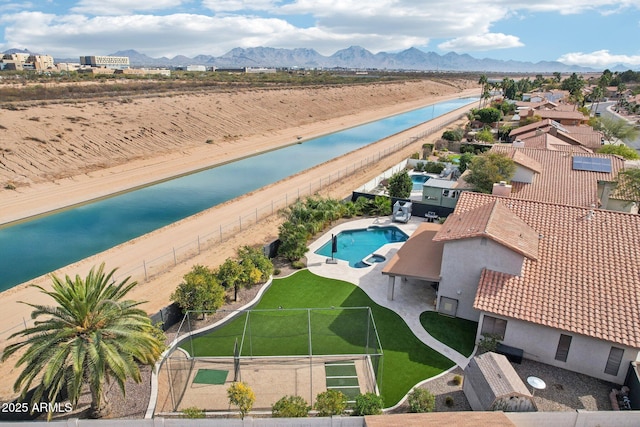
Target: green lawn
[407, 360]
[459, 334]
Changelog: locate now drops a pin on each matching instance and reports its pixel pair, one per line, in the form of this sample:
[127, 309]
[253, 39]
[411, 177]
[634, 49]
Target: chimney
[501, 189]
[518, 143]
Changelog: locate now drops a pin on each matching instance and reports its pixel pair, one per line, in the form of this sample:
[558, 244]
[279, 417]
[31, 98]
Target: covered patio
[419, 259]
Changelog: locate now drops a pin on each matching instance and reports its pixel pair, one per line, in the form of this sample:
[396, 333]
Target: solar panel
[592, 164]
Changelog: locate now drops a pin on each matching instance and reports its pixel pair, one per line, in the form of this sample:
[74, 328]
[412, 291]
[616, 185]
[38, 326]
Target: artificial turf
[406, 362]
[459, 334]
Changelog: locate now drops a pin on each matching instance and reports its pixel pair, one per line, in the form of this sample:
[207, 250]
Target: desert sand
[128, 144]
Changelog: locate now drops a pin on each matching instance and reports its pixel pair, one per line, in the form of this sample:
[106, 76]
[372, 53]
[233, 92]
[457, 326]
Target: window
[494, 326]
[614, 360]
[563, 348]
[445, 193]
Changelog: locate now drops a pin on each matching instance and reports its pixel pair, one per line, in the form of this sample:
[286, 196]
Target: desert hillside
[54, 140]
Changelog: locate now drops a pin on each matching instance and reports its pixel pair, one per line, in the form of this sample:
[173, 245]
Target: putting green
[210, 376]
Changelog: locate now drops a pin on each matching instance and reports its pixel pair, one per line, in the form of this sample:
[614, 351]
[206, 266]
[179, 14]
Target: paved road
[603, 108]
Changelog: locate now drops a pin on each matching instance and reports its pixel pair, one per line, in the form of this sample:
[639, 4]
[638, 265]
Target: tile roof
[493, 221]
[586, 278]
[523, 160]
[558, 182]
[420, 256]
[530, 127]
[555, 114]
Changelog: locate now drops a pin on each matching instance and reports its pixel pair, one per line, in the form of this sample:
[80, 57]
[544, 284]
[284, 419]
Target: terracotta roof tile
[585, 279]
[494, 221]
[558, 182]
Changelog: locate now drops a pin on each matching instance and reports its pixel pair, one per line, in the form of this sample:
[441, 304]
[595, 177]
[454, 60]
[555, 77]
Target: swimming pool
[418, 181]
[356, 245]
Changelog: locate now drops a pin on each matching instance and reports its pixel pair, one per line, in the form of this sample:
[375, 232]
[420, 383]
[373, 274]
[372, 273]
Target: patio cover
[419, 257]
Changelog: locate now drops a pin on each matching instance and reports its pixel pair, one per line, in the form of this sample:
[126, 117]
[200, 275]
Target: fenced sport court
[280, 352]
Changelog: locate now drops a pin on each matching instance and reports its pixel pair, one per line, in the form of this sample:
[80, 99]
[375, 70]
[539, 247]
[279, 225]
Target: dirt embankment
[53, 141]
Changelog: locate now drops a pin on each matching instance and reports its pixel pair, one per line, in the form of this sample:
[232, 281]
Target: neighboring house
[559, 282]
[582, 135]
[573, 118]
[559, 176]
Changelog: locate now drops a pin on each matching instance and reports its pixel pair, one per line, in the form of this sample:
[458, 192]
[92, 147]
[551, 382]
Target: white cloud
[480, 42]
[238, 5]
[599, 59]
[122, 7]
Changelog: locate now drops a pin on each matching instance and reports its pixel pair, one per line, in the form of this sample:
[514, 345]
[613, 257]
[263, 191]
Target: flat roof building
[112, 62]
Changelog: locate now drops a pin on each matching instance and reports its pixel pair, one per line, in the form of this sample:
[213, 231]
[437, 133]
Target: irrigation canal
[32, 248]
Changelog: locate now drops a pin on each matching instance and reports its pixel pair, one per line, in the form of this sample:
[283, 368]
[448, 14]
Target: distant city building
[26, 61]
[192, 68]
[111, 62]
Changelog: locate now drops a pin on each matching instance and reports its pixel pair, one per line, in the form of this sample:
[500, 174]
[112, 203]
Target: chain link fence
[149, 268]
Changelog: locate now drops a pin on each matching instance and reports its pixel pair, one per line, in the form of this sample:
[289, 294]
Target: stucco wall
[586, 355]
[523, 174]
[462, 263]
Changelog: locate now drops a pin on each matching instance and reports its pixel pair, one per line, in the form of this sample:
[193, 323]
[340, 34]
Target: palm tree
[90, 337]
[483, 82]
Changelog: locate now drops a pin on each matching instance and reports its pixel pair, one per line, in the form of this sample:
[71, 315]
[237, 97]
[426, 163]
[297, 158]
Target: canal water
[32, 248]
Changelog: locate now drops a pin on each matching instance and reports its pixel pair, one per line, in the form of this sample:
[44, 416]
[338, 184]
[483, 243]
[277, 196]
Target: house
[491, 384]
[563, 117]
[559, 176]
[559, 282]
[581, 135]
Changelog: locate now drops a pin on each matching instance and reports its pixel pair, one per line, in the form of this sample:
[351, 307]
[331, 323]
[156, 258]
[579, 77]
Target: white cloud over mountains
[599, 59]
[191, 27]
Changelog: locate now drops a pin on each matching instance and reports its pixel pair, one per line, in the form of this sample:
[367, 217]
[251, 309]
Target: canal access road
[156, 290]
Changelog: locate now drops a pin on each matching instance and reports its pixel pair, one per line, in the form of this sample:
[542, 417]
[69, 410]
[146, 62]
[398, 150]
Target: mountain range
[352, 57]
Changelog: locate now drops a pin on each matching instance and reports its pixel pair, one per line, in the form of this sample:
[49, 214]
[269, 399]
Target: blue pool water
[31, 248]
[354, 245]
[418, 180]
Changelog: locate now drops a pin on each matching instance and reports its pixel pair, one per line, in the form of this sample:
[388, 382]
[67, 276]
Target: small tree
[489, 168]
[199, 291]
[330, 402]
[421, 400]
[465, 159]
[620, 150]
[488, 115]
[454, 135]
[368, 404]
[400, 185]
[257, 261]
[229, 275]
[616, 129]
[242, 396]
[485, 135]
[290, 407]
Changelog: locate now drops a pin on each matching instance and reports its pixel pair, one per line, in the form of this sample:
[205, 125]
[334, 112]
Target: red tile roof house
[559, 282]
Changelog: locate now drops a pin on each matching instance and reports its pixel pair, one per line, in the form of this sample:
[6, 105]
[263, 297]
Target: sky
[593, 33]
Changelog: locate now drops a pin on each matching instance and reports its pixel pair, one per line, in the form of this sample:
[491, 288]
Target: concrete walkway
[411, 297]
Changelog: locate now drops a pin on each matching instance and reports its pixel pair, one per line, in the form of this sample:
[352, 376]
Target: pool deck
[411, 297]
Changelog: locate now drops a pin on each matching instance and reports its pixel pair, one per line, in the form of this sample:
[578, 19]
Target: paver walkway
[410, 298]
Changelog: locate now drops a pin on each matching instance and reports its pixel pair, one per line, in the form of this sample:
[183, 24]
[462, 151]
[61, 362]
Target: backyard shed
[491, 384]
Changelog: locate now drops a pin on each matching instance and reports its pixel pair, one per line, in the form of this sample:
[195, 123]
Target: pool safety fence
[287, 347]
[148, 268]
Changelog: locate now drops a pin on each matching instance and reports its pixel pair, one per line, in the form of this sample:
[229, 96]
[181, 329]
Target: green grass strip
[339, 382]
[340, 371]
[459, 334]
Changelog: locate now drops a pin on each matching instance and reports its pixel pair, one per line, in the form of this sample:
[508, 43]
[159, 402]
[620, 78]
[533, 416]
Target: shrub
[433, 167]
[415, 156]
[192, 412]
[297, 264]
[457, 380]
[330, 402]
[453, 135]
[293, 241]
[276, 271]
[290, 407]
[421, 400]
[489, 342]
[368, 404]
[241, 395]
[420, 166]
[9, 187]
[448, 401]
